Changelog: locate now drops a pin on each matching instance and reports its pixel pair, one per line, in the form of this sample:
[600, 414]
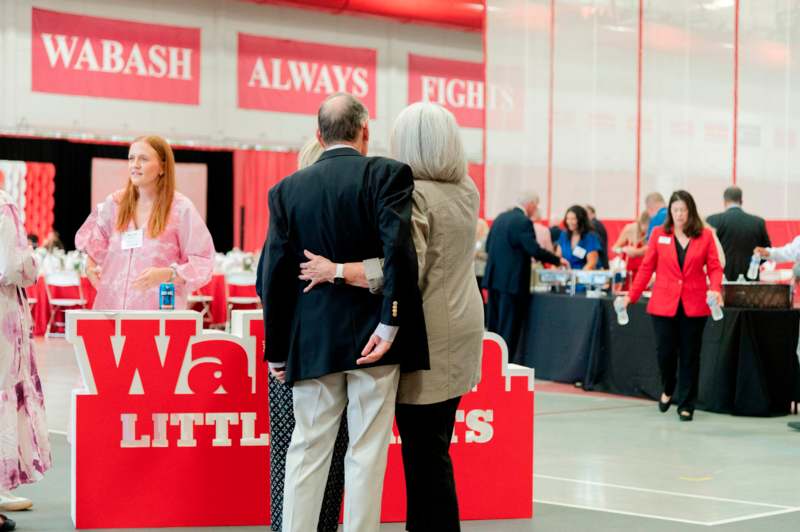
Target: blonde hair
[309, 153]
[165, 190]
[426, 137]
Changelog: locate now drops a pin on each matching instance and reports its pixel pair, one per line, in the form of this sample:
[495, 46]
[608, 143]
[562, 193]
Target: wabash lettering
[110, 56]
[168, 411]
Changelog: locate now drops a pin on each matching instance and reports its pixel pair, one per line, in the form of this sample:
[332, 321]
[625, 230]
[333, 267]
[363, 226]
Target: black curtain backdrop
[73, 162]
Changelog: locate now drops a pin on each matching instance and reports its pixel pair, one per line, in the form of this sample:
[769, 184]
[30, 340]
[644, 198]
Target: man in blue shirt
[657, 209]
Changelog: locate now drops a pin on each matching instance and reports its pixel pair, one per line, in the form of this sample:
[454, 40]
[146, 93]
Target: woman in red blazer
[683, 255]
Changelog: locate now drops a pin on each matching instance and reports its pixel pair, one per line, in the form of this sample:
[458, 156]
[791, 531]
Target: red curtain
[476, 172]
[254, 173]
[39, 198]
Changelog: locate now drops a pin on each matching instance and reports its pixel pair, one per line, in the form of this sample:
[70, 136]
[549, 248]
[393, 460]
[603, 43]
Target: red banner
[455, 85]
[294, 77]
[170, 413]
[109, 58]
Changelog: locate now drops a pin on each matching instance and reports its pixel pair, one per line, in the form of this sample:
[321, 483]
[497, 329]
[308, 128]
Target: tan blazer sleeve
[420, 232]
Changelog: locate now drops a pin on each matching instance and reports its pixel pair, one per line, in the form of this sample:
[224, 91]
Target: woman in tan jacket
[444, 215]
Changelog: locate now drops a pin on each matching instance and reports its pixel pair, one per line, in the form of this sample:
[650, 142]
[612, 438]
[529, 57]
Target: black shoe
[685, 415]
[664, 406]
[794, 425]
[7, 524]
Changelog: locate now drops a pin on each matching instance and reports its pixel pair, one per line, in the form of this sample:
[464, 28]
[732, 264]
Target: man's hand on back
[374, 350]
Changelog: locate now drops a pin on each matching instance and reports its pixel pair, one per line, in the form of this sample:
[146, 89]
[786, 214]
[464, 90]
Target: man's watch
[338, 278]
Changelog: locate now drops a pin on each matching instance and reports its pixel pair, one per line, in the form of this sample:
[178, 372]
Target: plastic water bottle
[713, 304]
[622, 312]
[752, 270]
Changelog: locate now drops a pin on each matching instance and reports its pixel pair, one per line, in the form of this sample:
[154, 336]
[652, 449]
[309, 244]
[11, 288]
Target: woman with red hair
[146, 234]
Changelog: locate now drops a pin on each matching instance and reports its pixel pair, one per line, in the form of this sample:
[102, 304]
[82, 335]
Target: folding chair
[240, 289]
[64, 281]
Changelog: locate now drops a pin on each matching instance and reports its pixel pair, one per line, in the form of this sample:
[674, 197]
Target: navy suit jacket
[510, 245]
[348, 208]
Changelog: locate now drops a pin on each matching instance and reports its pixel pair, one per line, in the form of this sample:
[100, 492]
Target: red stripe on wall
[735, 88]
[550, 111]
[639, 110]
[482, 187]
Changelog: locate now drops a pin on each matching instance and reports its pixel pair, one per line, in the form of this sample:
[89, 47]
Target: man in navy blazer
[510, 245]
[341, 347]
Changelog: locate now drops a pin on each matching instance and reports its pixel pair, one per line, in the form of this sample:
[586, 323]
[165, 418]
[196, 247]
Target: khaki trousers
[369, 397]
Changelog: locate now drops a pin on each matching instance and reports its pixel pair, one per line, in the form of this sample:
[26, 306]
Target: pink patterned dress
[185, 244]
[24, 444]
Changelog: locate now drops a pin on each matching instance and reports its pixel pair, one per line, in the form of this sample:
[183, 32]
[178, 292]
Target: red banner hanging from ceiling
[294, 76]
[455, 85]
[110, 58]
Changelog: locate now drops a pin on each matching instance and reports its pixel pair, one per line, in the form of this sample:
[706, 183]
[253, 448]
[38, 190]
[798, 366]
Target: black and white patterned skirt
[281, 425]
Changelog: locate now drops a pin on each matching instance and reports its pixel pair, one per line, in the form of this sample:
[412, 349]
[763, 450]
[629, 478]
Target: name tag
[133, 239]
[579, 252]
[665, 240]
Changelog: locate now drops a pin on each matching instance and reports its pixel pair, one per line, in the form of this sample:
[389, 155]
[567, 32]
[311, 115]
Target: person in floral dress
[24, 445]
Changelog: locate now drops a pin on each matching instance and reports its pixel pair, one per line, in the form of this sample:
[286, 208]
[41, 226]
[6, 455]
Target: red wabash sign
[455, 85]
[103, 57]
[294, 77]
[176, 422]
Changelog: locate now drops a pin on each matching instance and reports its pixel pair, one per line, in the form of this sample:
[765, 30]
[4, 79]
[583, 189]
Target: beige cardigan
[444, 217]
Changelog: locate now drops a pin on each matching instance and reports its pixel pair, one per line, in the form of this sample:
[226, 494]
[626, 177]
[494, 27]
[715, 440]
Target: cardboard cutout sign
[173, 425]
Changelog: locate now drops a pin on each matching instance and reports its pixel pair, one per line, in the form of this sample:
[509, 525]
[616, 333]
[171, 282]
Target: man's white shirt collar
[337, 146]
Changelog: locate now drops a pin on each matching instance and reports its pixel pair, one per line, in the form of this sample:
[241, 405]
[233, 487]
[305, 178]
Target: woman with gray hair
[444, 215]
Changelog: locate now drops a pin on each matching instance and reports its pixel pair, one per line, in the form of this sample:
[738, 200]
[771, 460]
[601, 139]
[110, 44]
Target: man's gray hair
[340, 118]
[426, 137]
[528, 196]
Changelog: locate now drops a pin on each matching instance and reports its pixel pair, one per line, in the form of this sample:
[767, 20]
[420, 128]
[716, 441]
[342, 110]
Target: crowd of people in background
[381, 255]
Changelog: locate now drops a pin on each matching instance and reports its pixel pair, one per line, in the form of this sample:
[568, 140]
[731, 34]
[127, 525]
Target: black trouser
[505, 315]
[425, 433]
[679, 340]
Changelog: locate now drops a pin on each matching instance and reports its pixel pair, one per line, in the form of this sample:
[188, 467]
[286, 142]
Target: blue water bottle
[166, 296]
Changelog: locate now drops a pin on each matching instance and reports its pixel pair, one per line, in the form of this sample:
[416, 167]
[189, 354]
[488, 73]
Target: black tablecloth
[748, 365]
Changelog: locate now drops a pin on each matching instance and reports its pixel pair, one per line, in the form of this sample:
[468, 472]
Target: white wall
[688, 78]
[217, 121]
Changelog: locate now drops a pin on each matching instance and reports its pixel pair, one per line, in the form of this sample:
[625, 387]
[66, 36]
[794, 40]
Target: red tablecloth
[215, 288]
[41, 310]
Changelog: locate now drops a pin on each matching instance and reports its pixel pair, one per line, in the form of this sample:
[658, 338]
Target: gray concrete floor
[602, 463]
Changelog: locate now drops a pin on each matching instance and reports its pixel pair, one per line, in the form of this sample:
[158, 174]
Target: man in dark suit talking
[340, 346]
[510, 245]
[738, 232]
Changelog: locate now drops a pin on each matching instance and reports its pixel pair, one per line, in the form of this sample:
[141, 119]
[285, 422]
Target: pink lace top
[185, 244]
